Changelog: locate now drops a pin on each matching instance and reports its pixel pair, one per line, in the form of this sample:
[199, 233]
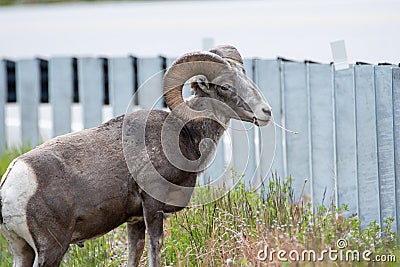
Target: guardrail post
[28, 96]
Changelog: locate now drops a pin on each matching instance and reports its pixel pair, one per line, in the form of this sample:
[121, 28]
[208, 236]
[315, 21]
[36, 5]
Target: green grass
[9, 154]
[232, 230]
[235, 228]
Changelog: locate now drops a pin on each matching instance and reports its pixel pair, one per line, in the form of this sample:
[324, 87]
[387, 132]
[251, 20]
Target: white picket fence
[348, 146]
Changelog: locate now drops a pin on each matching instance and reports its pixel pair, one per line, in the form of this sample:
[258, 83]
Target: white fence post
[346, 139]
[28, 94]
[3, 101]
[367, 150]
[296, 119]
[267, 78]
[385, 142]
[61, 85]
[150, 90]
[91, 90]
[396, 124]
[322, 129]
[121, 83]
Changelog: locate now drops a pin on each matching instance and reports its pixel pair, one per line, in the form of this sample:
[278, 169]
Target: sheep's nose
[267, 111]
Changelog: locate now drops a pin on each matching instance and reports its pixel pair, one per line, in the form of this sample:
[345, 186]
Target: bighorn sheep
[82, 185]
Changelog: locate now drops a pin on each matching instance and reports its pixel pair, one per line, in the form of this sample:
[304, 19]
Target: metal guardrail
[348, 146]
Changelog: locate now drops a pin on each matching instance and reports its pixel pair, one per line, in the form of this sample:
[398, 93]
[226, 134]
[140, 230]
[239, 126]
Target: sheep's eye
[226, 87]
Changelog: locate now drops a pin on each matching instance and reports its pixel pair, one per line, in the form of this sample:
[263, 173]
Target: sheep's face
[240, 97]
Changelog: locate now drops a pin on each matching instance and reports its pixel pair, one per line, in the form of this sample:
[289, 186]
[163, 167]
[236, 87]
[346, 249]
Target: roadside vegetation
[241, 229]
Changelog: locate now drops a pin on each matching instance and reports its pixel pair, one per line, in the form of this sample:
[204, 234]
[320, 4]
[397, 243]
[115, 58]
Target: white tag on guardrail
[339, 55]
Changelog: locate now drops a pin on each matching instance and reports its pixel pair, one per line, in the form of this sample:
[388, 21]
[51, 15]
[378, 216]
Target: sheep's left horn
[185, 67]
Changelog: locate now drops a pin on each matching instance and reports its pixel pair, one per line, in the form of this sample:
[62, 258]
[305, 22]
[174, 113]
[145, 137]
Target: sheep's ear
[200, 83]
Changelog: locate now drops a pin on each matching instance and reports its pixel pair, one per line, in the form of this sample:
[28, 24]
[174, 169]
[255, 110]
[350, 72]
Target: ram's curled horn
[189, 65]
[228, 52]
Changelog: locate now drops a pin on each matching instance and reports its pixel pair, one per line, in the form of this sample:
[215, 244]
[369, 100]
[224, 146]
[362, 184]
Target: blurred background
[295, 29]
[292, 29]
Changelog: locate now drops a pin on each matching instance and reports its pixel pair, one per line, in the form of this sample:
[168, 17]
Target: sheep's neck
[206, 128]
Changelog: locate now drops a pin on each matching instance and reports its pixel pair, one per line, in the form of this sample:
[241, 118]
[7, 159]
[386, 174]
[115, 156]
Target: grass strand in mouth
[283, 128]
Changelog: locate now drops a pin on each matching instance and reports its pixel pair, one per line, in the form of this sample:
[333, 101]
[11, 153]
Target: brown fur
[85, 188]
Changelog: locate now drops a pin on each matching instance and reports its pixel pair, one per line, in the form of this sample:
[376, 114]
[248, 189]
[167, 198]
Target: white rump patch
[19, 184]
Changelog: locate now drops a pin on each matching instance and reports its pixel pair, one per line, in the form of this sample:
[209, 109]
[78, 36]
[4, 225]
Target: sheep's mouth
[259, 122]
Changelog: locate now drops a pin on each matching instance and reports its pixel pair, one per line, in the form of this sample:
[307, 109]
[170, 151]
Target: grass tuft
[232, 230]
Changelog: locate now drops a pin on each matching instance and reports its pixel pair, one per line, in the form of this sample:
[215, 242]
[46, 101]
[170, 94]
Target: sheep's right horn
[185, 67]
[228, 52]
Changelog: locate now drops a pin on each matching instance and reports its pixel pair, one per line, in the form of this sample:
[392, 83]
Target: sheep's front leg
[136, 234]
[154, 218]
